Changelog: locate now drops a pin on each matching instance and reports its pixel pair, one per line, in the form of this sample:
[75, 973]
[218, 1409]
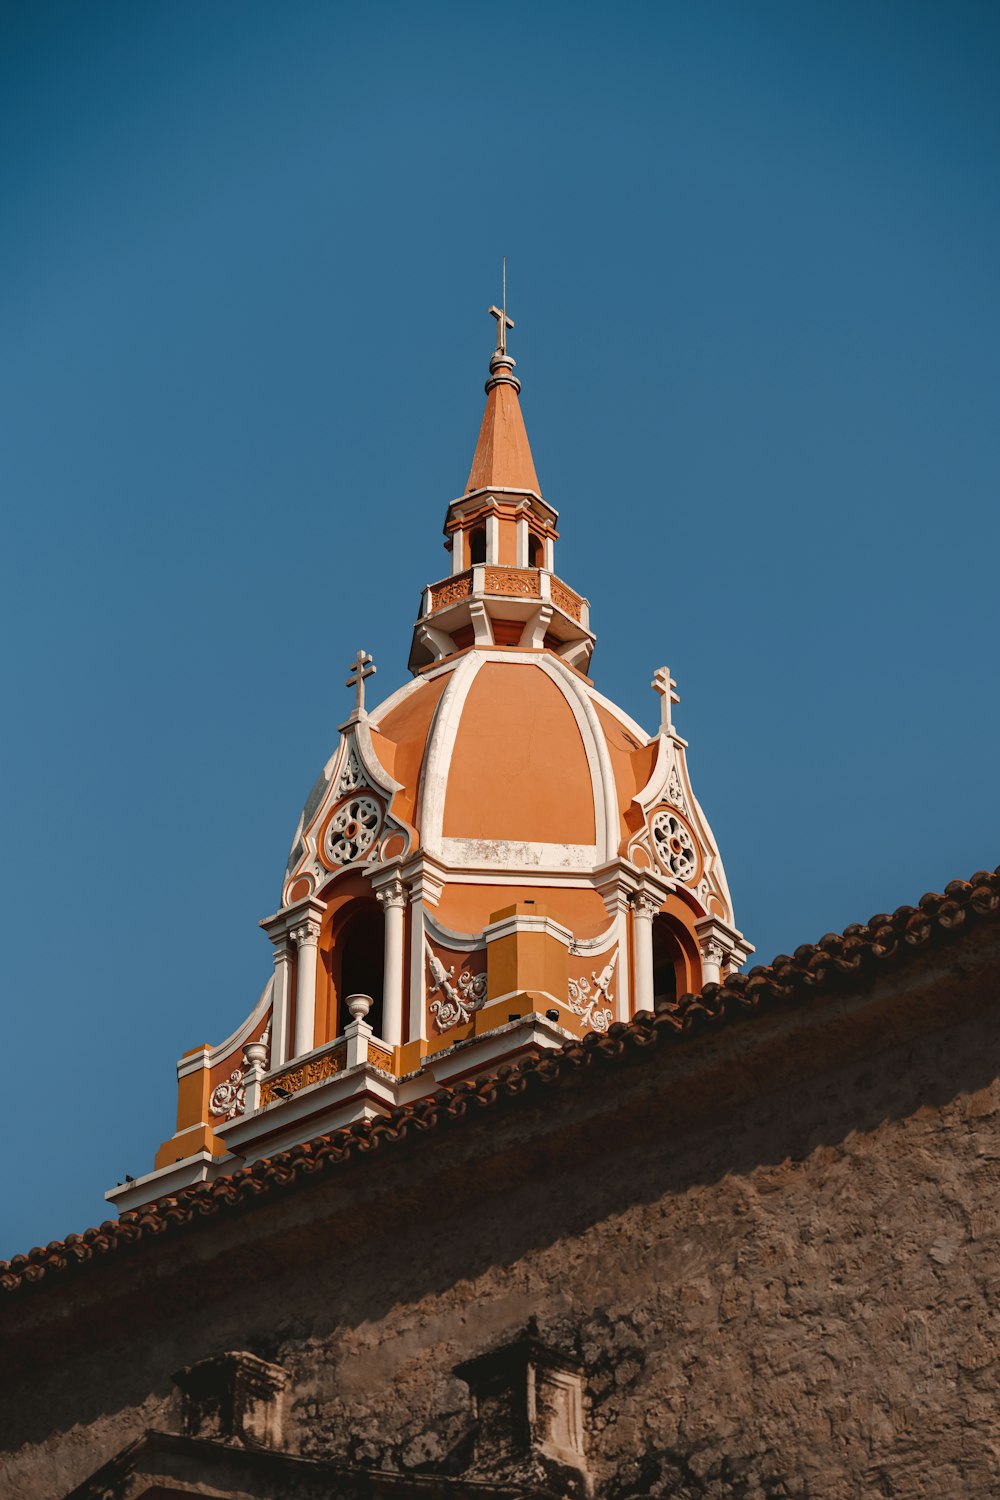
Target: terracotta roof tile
[837, 960]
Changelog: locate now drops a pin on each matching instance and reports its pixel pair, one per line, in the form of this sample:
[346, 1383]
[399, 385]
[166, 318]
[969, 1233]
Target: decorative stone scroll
[293, 1079]
[674, 791]
[595, 1010]
[350, 773]
[228, 1099]
[456, 1002]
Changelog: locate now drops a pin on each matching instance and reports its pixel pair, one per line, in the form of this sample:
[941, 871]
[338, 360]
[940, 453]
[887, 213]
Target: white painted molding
[447, 937]
[438, 752]
[208, 1057]
[511, 855]
[602, 775]
[635, 730]
[527, 922]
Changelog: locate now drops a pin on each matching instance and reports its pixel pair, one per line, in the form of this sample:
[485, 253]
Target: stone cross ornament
[360, 668]
[665, 685]
[500, 313]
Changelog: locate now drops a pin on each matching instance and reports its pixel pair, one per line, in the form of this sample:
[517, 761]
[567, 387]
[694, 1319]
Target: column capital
[307, 931]
[615, 882]
[649, 896]
[388, 886]
[722, 944]
[393, 894]
[645, 906]
[283, 926]
[424, 877]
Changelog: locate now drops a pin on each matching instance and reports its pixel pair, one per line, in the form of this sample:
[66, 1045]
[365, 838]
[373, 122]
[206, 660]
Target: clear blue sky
[246, 256]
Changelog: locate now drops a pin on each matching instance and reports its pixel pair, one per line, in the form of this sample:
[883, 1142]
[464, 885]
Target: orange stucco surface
[631, 762]
[407, 726]
[468, 908]
[519, 769]
[503, 457]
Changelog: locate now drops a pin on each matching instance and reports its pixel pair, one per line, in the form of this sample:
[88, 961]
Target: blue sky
[246, 257]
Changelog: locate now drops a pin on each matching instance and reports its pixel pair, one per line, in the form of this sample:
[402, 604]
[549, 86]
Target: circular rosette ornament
[674, 845]
[353, 830]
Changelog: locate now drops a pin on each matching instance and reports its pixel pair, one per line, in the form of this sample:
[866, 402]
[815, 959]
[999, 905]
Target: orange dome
[494, 859]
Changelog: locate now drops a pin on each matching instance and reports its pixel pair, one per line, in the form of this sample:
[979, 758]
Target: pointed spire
[503, 455]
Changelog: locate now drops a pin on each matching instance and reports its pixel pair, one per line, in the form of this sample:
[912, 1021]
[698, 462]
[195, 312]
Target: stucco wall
[781, 1274]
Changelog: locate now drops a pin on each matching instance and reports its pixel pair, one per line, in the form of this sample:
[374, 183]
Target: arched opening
[477, 545]
[362, 965]
[536, 551]
[667, 960]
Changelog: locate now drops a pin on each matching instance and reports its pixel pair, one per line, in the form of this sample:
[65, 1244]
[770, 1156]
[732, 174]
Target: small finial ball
[359, 1006]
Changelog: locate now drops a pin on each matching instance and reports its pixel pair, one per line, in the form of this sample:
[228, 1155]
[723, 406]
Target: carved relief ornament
[456, 1001]
[595, 1009]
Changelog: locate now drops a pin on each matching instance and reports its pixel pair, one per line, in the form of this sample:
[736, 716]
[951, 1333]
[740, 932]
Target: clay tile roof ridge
[836, 959]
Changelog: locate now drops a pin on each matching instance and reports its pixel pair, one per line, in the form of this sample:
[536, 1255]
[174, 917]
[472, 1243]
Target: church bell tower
[495, 860]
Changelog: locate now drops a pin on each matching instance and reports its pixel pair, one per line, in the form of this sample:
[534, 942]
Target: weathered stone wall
[781, 1274]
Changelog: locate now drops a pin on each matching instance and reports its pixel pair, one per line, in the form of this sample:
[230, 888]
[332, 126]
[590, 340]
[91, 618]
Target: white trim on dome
[516, 854]
[626, 720]
[479, 853]
[605, 790]
[393, 701]
[438, 750]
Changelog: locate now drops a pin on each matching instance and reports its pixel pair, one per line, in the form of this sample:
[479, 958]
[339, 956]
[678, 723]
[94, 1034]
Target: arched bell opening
[477, 545]
[669, 967]
[536, 551]
[358, 963]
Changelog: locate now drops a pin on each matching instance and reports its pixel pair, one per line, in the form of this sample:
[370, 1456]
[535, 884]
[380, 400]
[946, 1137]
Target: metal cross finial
[665, 685]
[359, 669]
[500, 313]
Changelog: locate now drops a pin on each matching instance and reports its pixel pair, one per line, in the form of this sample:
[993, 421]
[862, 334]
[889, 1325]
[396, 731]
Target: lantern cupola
[503, 589]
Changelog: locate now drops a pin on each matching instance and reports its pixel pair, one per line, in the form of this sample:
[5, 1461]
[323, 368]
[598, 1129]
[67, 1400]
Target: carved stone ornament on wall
[228, 1099]
[513, 581]
[353, 830]
[675, 792]
[350, 773]
[456, 1002]
[293, 1079]
[564, 598]
[378, 1057]
[594, 1009]
[451, 590]
[674, 845]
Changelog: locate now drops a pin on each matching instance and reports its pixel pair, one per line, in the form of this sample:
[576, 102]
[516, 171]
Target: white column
[424, 887]
[306, 937]
[282, 1002]
[522, 542]
[550, 548]
[644, 909]
[493, 539]
[712, 955]
[458, 551]
[623, 998]
[392, 899]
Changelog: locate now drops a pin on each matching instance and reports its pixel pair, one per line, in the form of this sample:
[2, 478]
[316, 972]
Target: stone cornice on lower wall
[850, 961]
